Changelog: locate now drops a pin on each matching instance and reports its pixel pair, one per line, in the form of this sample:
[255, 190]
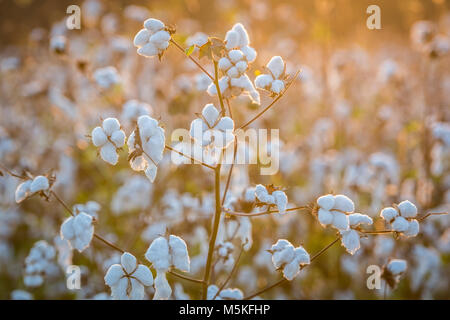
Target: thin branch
[230, 171]
[272, 103]
[185, 277]
[15, 175]
[189, 157]
[192, 59]
[231, 273]
[255, 214]
[229, 108]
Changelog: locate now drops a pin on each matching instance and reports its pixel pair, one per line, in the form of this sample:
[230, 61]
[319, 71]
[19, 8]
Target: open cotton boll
[23, 191]
[180, 256]
[397, 266]
[280, 200]
[325, 217]
[413, 228]
[108, 138]
[163, 290]
[276, 66]
[389, 214]
[153, 39]
[356, 219]
[78, 231]
[343, 203]
[107, 77]
[400, 224]
[326, 202]
[39, 183]
[158, 254]
[249, 53]
[242, 33]
[127, 279]
[407, 209]
[350, 240]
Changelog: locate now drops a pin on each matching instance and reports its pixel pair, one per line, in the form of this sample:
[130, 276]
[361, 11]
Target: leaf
[205, 50]
[188, 51]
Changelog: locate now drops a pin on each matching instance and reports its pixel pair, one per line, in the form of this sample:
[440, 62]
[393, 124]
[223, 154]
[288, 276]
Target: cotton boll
[113, 275]
[356, 219]
[235, 55]
[340, 220]
[232, 39]
[108, 153]
[180, 256]
[276, 66]
[162, 287]
[326, 202]
[210, 114]
[283, 256]
[290, 270]
[99, 137]
[224, 64]
[277, 86]
[231, 294]
[343, 203]
[141, 38]
[249, 53]
[413, 228]
[350, 240]
[39, 183]
[128, 262]
[407, 209]
[22, 191]
[153, 25]
[389, 214]
[148, 50]
[397, 266]
[280, 200]
[263, 81]
[325, 217]
[243, 35]
[400, 224]
[158, 254]
[160, 37]
[301, 256]
[118, 137]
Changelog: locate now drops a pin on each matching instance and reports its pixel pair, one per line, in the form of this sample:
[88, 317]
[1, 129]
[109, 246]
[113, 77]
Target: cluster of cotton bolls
[164, 254]
[30, 187]
[238, 55]
[109, 137]
[273, 81]
[39, 263]
[271, 197]
[153, 39]
[288, 258]
[402, 218]
[78, 230]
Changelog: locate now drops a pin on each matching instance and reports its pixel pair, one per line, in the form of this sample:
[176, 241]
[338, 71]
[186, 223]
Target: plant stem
[271, 104]
[215, 229]
[192, 59]
[189, 157]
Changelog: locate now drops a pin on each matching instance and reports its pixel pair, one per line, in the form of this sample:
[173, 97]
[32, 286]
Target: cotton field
[224, 150]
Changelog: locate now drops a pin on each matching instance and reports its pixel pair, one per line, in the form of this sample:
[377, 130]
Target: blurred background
[368, 117]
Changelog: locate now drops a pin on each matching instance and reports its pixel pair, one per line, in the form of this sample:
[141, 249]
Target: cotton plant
[212, 129]
[38, 184]
[226, 294]
[78, 230]
[393, 271]
[272, 197]
[234, 63]
[146, 145]
[107, 78]
[109, 138]
[128, 279]
[351, 238]
[166, 253]
[334, 210]
[39, 263]
[153, 39]
[274, 80]
[288, 258]
[401, 218]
